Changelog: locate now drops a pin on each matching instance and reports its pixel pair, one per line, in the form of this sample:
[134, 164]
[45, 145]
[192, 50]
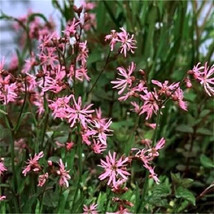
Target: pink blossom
[80, 114]
[83, 53]
[53, 82]
[60, 107]
[14, 63]
[114, 169]
[48, 56]
[153, 152]
[29, 64]
[38, 101]
[160, 144]
[98, 147]
[86, 134]
[127, 42]
[188, 82]
[64, 174]
[46, 40]
[206, 79]
[113, 37]
[71, 28]
[151, 125]
[42, 179]
[2, 167]
[137, 107]
[32, 164]
[128, 79]
[178, 96]
[142, 155]
[92, 209]
[69, 146]
[101, 129]
[79, 73]
[8, 90]
[2, 197]
[150, 105]
[153, 175]
[165, 88]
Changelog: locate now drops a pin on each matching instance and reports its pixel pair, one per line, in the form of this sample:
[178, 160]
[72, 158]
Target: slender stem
[12, 150]
[80, 163]
[107, 61]
[22, 109]
[145, 186]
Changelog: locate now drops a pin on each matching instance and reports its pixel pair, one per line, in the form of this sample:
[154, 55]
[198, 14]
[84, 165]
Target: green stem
[107, 61]
[12, 150]
[145, 186]
[80, 166]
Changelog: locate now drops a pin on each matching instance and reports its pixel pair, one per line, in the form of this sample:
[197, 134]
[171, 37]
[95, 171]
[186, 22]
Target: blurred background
[18, 8]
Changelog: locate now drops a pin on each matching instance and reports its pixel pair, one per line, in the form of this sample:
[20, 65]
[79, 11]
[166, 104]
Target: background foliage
[170, 37]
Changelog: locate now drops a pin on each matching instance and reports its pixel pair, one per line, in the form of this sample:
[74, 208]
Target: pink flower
[165, 88]
[60, 107]
[53, 82]
[153, 175]
[29, 64]
[86, 134]
[38, 101]
[137, 107]
[32, 164]
[204, 74]
[206, 80]
[64, 174]
[128, 43]
[71, 28]
[8, 90]
[113, 37]
[178, 96]
[2, 197]
[42, 179]
[142, 155]
[83, 53]
[2, 167]
[114, 169]
[48, 56]
[92, 209]
[69, 146]
[153, 152]
[128, 79]
[98, 147]
[80, 114]
[101, 129]
[150, 105]
[151, 125]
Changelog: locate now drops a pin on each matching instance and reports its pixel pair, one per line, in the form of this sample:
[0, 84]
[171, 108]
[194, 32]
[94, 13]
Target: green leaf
[206, 162]
[185, 194]
[184, 128]
[3, 112]
[63, 200]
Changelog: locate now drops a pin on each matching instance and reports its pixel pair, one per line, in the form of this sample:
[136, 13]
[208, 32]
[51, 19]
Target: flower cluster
[126, 41]
[147, 155]
[149, 101]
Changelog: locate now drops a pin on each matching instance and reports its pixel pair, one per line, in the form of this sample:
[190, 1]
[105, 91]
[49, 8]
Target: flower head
[42, 179]
[79, 113]
[114, 169]
[32, 164]
[92, 209]
[64, 174]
